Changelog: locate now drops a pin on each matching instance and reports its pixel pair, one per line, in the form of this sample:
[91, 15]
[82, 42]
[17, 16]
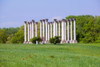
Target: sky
[13, 13]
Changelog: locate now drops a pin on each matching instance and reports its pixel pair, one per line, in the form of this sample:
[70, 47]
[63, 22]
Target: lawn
[49, 55]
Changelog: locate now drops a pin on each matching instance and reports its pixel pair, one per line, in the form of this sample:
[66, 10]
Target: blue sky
[13, 13]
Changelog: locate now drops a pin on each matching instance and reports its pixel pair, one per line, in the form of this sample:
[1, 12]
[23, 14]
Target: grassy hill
[49, 55]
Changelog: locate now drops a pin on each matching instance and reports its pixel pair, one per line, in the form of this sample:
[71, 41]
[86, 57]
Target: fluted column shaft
[51, 28]
[74, 29]
[25, 31]
[40, 29]
[48, 31]
[36, 29]
[65, 31]
[71, 30]
[59, 28]
[32, 29]
[43, 30]
[62, 30]
[68, 30]
[28, 31]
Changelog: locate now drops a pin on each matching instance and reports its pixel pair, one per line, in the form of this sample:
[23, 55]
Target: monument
[65, 28]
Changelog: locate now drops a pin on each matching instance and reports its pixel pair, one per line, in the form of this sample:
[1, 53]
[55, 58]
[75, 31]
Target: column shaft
[74, 29]
[68, 30]
[62, 31]
[25, 31]
[71, 30]
[36, 29]
[32, 29]
[48, 31]
[40, 29]
[65, 31]
[28, 31]
[59, 29]
[43, 30]
[51, 29]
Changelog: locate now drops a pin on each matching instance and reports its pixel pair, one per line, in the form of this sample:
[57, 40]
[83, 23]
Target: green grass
[64, 55]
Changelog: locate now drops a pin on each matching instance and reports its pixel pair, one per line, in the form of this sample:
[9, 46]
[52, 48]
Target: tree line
[87, 30]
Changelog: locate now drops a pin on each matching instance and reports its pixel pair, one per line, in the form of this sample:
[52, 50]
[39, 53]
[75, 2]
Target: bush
[55, 40]
[33, 40]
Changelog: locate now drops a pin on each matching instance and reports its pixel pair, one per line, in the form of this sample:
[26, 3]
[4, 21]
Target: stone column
[36, 32]
[48, 31]
[46, 20]
[59, 28]
[68, 30]
[55, 28]
[62, 30]
[25, 32]
[40, 28]
[74, 29]
[28, 32]
[65, 30]
[51, 28]
[71, 29]
[33, 28]
[43, 30]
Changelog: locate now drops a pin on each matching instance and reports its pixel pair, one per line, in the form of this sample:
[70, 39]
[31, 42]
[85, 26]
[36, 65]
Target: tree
[3, 36]
[19, 36]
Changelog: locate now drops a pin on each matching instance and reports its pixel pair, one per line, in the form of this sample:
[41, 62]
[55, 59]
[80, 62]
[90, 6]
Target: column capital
[36, 22]
[41, 21]
[46, 20]
[55, 20]
[28, 22]
[63, 20]
[33, 21]
[70, 19]
[59, 21]
[74, 19]
[25, 22]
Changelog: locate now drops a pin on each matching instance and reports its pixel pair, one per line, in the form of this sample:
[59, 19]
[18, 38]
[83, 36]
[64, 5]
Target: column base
[64, 41]
[73, 41]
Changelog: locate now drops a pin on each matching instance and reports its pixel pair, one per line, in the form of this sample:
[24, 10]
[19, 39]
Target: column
[74, 29]
[65, 30]
[56, 28]
[48, 31]
[71, 29]
[33, 28]
[46, 20]
[36, 24]
[43, 29]
[28, 32]
[68, 30]
[25, 31]
[54, 34]
[40, 28]
[59, 28]
[51, 28]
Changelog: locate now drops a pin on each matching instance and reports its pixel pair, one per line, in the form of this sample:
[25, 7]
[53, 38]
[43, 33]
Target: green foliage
[19, 36]
[33, 40]
[55, 40]
[3, 36]
[87, 28]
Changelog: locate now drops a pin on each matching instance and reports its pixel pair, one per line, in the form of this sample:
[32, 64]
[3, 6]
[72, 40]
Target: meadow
[50, 55]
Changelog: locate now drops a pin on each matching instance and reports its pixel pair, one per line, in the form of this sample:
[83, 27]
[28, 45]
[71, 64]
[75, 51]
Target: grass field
[61, 55]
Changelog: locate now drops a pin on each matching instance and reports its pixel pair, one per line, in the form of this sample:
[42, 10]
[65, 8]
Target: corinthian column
[25, 32]
[48, 31]
[68, 30]
[55, 26]
[71, 29]
[40, 28]
[46, 20]
[36, 29]
[28, 32]
[51, 28]
[33, 28]
[43, 30]
[59, 28]
[74, 29]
